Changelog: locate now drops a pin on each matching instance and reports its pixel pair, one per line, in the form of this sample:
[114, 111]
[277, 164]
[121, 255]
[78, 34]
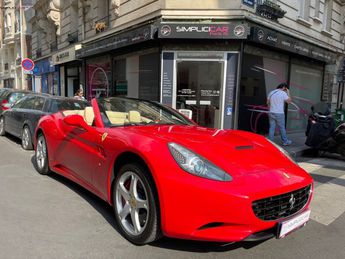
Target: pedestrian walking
[276, 101]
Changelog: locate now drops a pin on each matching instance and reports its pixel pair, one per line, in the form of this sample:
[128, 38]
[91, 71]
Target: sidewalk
[297, 147]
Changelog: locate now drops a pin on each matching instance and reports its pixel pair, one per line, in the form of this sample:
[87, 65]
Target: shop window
[262, 71]
[120, 81]
[305, 90]
[98, 77]
[137, 76]
[149, 77]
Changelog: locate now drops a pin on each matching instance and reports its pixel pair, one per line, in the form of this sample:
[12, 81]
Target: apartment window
[327, 15]
[317, 9]
[304, 9]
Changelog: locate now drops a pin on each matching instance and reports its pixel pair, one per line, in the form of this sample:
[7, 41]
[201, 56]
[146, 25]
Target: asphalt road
[51, 217]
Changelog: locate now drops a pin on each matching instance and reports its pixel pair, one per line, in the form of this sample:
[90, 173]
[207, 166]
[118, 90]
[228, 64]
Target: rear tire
[26, 138]
[2, 126]
[136, 205]
[41, 156]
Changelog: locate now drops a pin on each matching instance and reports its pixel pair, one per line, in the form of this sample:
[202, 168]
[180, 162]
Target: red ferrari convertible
[165, 175]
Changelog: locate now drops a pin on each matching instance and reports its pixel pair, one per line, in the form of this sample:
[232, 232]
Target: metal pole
[22, 44]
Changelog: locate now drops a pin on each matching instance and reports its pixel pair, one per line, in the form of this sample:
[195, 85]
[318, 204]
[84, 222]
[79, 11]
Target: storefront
[69, 69]
[270, 58]
[200, 68]
[218, 74]
[46, 77]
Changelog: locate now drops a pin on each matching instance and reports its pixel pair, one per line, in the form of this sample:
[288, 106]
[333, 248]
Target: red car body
[190, 207]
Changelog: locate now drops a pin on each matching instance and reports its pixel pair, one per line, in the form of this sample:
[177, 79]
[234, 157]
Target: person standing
[79, 94]
[276, 101]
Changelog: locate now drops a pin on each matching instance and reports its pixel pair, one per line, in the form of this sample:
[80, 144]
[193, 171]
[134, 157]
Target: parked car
[21, 120]
[165, 175]
[9, 97]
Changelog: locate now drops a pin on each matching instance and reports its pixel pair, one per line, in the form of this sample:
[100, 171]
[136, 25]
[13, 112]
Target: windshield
[118, 111]
[67, 104]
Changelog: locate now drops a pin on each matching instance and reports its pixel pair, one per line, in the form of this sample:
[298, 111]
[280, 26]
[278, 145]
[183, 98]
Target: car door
[32, 116]
[20, 114]
[79, 151]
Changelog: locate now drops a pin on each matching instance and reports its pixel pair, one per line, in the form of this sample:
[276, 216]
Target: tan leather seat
[73, 112]
[134, 117]
[89, 116]
[117, 118]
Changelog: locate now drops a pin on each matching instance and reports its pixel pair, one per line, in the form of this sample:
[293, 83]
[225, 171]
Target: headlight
[283, 151]
[196, 165]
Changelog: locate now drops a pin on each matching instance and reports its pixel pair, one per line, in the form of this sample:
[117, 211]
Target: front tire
[41, 155]
[135, 205]
[2, 126]
[26, 139]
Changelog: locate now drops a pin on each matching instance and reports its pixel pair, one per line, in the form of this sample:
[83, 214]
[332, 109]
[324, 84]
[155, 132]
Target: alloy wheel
[26, 139]
[131, 203]
[2, 129]
[41, 153]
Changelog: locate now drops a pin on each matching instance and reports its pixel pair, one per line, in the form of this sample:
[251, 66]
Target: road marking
[309, 167]
[328, 202]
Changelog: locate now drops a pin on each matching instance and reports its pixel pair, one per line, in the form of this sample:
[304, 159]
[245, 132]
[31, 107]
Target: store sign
[234, 30]
[167, 78]
[284, 42]
[230, 85]
[128, 38]
[64, 56]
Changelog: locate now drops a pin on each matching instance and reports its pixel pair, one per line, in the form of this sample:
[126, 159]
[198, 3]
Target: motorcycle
[322, 135]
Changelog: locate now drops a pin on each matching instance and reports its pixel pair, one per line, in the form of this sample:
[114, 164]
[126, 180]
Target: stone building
[216, 58]
[14, 41]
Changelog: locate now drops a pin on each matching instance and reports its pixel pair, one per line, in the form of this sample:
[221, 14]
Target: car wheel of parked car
[26, 139]
[135, 206]
[41, 155]
[2, 127]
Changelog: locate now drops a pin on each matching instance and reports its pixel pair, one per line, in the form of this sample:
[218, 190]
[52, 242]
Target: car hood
[234, 151]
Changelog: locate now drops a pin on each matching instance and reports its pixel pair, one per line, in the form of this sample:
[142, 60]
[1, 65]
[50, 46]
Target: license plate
[285, 227]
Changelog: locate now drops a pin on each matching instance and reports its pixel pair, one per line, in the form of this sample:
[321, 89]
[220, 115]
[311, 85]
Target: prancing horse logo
[292, 201]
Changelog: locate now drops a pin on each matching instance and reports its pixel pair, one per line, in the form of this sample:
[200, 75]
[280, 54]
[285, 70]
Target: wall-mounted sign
[232, 30]
[64, 56]
[278, 40]
[167, 78]
[249, 3]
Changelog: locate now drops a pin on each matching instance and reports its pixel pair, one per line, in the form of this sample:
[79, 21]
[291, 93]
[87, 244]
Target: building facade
[15, 43]
[217, 59]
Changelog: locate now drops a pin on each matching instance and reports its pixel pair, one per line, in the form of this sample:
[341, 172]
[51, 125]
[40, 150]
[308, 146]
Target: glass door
[198, 90]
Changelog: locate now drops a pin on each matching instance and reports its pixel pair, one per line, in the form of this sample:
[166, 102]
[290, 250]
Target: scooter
[322, 135]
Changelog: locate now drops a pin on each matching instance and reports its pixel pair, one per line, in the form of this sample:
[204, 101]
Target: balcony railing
[269, 9]
[102, 24]
[72, 37]
[53, 46]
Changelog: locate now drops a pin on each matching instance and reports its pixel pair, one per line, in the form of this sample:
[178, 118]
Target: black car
[9, 97]
[22, 118]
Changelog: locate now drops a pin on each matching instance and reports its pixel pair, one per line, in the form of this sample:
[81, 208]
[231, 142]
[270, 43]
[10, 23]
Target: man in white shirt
[276, 100]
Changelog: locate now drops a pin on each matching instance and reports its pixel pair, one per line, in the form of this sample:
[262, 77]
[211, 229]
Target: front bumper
[200, 209]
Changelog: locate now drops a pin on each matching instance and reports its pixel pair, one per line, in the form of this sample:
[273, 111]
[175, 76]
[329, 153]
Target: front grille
[281, 206]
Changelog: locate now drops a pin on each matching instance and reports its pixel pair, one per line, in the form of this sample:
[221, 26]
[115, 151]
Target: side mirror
[76, 120]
